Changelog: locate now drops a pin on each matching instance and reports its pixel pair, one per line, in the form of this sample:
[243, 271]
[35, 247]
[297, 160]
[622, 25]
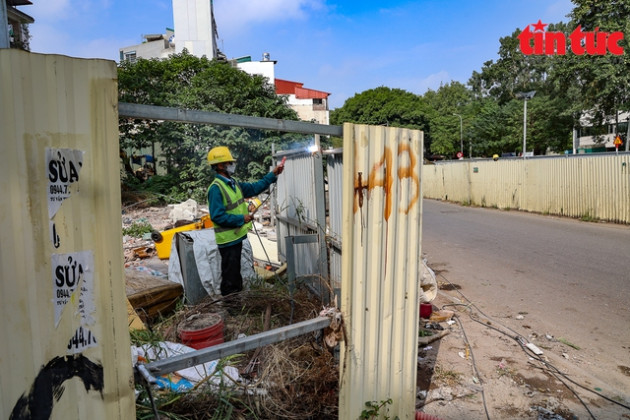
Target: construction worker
[230, 215]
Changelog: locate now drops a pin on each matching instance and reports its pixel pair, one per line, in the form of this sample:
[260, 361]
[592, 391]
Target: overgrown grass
[138, 229]
[587, 217]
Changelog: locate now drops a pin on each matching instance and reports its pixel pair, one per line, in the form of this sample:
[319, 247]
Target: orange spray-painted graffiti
[381, 176]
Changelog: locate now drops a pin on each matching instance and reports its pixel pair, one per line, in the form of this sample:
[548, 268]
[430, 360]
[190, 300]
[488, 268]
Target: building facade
[601, 137]
[16, 34]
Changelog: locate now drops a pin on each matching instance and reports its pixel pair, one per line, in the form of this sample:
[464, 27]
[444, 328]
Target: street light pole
[461, 134]
[525, 96]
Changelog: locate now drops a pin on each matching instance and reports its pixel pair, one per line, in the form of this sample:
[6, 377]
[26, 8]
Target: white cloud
[432, 81]
[237, 15]
[50, 10]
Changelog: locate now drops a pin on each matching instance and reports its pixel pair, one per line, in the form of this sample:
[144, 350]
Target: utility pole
[461, 134]
[525, 96]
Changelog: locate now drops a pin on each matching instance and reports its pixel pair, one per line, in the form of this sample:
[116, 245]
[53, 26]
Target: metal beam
[198, 357]
[152, 112]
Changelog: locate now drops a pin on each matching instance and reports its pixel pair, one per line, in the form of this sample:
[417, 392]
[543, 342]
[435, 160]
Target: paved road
[572, 278]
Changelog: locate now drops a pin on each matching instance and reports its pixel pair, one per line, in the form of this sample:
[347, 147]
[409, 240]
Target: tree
[444, 134]
[383, 106]
[188, 82]
[601, 82]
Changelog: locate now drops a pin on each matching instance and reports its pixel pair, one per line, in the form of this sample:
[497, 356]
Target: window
[130, 56]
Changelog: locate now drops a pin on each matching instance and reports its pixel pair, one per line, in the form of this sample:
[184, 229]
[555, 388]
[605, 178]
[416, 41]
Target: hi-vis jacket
[227, 205]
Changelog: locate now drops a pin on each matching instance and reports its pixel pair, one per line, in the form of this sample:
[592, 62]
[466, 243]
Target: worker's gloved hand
[278, 169]
[248, 218]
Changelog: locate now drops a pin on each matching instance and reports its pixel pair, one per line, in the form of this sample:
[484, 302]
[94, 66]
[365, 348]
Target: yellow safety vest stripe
[234, 204]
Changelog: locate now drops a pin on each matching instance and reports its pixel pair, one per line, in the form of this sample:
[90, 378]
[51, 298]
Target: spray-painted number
[381, 175]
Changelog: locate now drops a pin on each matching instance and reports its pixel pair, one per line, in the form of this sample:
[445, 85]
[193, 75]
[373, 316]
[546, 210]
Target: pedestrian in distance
[228, 206]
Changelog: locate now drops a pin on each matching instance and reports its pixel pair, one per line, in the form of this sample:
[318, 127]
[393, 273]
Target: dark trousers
[231, 281]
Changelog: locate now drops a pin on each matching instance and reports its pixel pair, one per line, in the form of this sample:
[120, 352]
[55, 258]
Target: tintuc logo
[551, 43]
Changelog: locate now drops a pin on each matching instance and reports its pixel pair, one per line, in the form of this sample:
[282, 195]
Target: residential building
[16, 35]
[600, 138]
[194, 29]
[310, 104]
[154, 46]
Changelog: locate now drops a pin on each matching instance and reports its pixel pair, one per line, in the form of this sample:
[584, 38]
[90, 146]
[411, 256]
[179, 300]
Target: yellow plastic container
[163, 240]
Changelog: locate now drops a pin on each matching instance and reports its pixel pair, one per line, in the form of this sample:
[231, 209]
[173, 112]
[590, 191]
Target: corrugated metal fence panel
[334, 171]
[382, 212]
[494, 184]
[296, 202]
[595, 186]
[62, 294]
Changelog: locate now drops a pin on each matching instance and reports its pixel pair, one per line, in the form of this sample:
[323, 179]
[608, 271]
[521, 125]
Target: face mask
[231, 168]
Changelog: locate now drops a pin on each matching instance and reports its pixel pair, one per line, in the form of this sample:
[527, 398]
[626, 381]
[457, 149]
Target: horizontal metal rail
[152, 112]
[297, 223]
[198, 357]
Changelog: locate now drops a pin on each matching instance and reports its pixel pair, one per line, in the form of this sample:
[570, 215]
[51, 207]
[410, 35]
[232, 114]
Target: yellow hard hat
[219, 154]
[495, 157]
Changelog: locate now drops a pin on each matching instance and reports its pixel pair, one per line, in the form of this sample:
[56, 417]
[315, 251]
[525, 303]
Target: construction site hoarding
[381, 265]
[581, 186]
[65, 348]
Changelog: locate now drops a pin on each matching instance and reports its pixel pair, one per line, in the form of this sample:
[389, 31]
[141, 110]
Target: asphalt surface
[570, 278]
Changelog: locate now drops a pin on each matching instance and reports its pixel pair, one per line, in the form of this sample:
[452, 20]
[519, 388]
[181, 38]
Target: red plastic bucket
[202, 331]
[201, 334]
[197, 345]
[426, 309]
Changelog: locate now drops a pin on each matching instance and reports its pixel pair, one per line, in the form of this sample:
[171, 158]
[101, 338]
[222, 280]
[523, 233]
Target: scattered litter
[544, 414]
[566, 356]
[185, 379]
[450, 322]
[433, 326]
[151, 271]
[520, 317]
[475, 379]
[441, 316]
[534, 348]
[427, 348]
[334, 332]
[549, 337]
[428, 284]
[143, 252]
[462, 355]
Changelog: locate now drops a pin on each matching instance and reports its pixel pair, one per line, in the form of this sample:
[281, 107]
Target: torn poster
[63, 167]
[70, 271]
[82, 339]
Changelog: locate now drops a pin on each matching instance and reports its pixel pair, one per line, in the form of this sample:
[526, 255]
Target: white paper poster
[81, 340]
[69, 272]
[63, 167]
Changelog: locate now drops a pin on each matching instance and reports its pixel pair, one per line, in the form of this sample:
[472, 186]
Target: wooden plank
[152, 112]
[172, 364]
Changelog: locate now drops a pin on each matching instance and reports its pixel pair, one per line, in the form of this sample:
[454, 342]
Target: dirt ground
[480, 369]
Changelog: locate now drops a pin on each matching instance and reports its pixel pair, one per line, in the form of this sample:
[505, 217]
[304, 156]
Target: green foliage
[383, 106]
[137, 229]
[187, 82]
[373, 409]
[141, 337]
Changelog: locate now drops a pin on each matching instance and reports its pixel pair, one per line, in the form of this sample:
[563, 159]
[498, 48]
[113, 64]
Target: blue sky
[340, 47]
